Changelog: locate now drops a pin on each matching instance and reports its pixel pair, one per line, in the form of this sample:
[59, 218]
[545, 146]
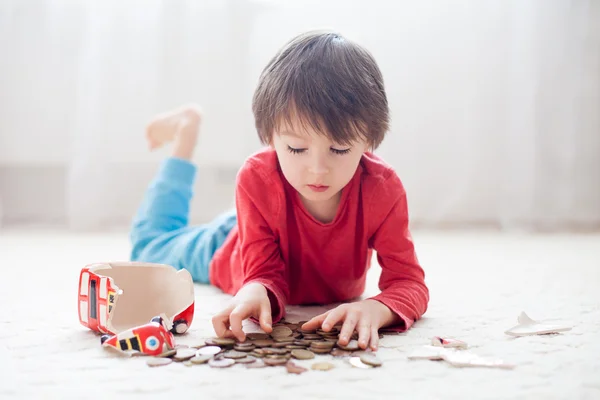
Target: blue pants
[160, 231]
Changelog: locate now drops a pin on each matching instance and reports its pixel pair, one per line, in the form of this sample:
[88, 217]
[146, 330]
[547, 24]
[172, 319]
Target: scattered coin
[222, 363]
[184, 354]
[355, 362]
[245, 360]
[201, 359]
[257, 336]
[294, 369]
[259, 363]
[210, 350]
[281, 332]
[371, 359]
[234, 354]
[263, 342]
[168, 353]
[158, 361]
[351, 346]
[223, 341]
[337, 352]
[303, 354]
[274, 361]
[322, 366]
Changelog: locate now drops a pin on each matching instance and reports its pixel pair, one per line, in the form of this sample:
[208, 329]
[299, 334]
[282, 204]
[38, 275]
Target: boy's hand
[366, 317]
[251, 301]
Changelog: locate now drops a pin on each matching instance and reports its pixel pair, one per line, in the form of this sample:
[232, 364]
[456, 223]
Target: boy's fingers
[265, 319]
[350, 321]
[239, 314]
[364, 333]
[220, 322]
[315, 322]
[336, 315]
[374, 339]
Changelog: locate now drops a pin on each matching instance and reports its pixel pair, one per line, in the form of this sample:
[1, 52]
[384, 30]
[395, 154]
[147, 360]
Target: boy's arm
[260, 253]
[402, 281]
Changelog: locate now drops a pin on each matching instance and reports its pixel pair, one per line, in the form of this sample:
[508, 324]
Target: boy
[310, 208]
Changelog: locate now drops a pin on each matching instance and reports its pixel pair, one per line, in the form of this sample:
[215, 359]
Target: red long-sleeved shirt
[303, 261]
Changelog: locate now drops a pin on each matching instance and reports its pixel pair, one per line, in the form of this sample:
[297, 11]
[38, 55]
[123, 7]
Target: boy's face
[315, 166]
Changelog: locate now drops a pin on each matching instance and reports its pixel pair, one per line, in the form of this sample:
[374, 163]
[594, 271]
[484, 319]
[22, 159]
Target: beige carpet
[479, 283]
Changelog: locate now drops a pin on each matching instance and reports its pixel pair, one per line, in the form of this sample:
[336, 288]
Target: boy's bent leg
[190, 248]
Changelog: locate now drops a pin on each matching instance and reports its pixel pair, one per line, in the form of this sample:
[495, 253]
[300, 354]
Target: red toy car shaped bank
[152, 339]
[118, 296]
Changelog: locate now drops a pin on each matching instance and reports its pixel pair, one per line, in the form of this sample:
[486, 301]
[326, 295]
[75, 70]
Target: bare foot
[180, 125]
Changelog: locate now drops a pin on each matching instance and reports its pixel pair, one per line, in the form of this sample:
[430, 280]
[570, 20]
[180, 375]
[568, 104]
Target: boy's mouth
[318, 188]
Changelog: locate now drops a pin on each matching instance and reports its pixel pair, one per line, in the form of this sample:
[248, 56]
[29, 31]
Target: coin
[199, 344]
[275, 361]
[257, 336]
[303, 354]
[184, 354]
[337, 352]
[320, 351]
[245, 360]
[322, 366]
[234, 354]
[355, 362]
[158, 361]
[259, 363]
[371, 359]
[223, 341]
[311, 336]
[208, 350]
[243, 348]
[351, 346]
[223, 363]
[168, 353]
[201, 359]
[281, 332]
[294, 369]
[293, 347]
[287, 339]
[322, 345]
[263, 343]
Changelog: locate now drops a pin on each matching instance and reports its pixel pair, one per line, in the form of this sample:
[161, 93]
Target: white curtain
[495, 103]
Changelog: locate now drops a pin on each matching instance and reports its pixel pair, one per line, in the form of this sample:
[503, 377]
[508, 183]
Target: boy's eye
[340, 152]
[295, 151]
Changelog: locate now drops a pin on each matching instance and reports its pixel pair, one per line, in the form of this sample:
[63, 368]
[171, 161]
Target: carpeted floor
[479, 284]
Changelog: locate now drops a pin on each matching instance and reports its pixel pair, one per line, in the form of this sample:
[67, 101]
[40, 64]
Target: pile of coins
[287, 342]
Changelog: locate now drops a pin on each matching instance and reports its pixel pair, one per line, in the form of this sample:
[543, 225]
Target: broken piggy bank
[118, 296]
[152, 339]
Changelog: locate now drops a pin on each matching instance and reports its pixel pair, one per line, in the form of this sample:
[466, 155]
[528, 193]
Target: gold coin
[234, 354]
[168, 353]
[222, 363]
[322, 366]
[259, 363]
[257, 336]
[281, 332]
[275, 361]
[245, 360]
[371, 359]
[303, 354]
[287, 339]
[320, 351]
[263, 343]
[158, 361]
[322, 345]
[223, 341]
[201, 359]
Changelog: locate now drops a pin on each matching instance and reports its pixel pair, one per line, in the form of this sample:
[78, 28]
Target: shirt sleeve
[402, 281]
[261, 258]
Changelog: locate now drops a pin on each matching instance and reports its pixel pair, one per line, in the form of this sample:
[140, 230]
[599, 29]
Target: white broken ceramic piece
[528, 326]
[448, 343]
[467, 359]
[428, 353]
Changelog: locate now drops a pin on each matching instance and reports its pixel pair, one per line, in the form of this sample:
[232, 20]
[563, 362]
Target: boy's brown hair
[327, 82]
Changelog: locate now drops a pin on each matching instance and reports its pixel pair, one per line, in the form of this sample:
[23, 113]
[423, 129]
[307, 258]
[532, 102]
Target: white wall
[494, 103]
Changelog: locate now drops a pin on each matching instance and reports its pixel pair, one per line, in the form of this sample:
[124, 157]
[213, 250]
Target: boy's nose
[318, 165]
